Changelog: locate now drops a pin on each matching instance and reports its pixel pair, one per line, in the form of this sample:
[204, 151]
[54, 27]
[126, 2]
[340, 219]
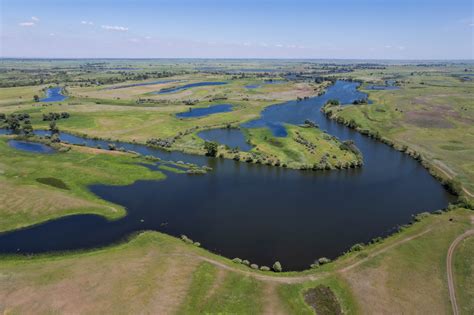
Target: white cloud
[279, 45]
[52, 34]
[388, 46]
[472, 24]
[115, 28]
[148, 37]
[87, 22]
[34, 18]
[134, 40]
[26, 24]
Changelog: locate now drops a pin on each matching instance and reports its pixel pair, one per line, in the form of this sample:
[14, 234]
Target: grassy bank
[37, 187]
[166, 275]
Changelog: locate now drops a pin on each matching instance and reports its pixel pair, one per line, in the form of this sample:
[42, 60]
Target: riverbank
[26, 200]
[229, 287]
[430, 123]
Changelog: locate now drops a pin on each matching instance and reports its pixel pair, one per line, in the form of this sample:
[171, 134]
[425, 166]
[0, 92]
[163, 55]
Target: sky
[328, 29]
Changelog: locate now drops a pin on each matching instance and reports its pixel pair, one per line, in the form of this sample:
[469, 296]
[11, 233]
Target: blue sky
[362, 29]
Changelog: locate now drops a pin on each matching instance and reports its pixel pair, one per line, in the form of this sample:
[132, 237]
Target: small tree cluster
[55, 116]
[211, 148]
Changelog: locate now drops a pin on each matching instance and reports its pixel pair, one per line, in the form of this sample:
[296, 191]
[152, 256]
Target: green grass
[464, 275]
[34, 181]
[236, 294]
[293, 295]
[288, 151]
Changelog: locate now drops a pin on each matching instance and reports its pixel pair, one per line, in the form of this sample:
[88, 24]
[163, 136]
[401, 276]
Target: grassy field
[432, 113]
[464, 275]
[25, 200]
[101, 112]
[165, 275]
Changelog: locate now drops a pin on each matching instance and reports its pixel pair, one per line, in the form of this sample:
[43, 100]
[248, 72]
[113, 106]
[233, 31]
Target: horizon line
[233, 58]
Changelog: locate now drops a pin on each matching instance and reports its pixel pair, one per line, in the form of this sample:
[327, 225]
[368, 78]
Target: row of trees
[55, 116]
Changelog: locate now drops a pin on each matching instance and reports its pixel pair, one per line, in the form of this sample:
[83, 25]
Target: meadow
[431, 113]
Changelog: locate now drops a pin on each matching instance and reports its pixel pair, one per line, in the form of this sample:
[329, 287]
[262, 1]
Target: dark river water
[257, 212]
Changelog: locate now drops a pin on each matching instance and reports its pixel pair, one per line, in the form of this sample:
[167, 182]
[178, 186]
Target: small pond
[187, 86]
[232, 137]
[389, 85]
[252, 86]
[205, 111]
[30, 146]
[54, 95]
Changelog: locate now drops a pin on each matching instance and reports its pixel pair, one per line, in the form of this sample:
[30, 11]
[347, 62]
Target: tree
[53, 128]
[13, 123]
[211, 148]
[27, 128]
[36, 98]
[332, 102]
[277, 267]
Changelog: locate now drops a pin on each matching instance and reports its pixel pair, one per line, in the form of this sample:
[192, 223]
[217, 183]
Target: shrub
[420, 216]
[254, 266]
[277, 267]
[197, 244]
[324, 260]
[314, 265]
[246, 262]
[357, 247]
[237, 260]
[264, 268]
[186, 239]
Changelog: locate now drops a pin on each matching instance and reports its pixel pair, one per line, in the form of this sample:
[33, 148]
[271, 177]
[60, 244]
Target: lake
[257, 212]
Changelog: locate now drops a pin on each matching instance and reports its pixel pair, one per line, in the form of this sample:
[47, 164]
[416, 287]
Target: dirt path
[449, 267]
[298, 279]
[383, 250]
[443, 169]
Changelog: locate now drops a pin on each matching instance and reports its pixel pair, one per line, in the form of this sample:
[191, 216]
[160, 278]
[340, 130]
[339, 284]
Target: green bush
[357, 247]
[246, 262]
[324, 260]
[254, 266]
[264, 268]
[237, 260]
[186, 239]
[277, 267]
